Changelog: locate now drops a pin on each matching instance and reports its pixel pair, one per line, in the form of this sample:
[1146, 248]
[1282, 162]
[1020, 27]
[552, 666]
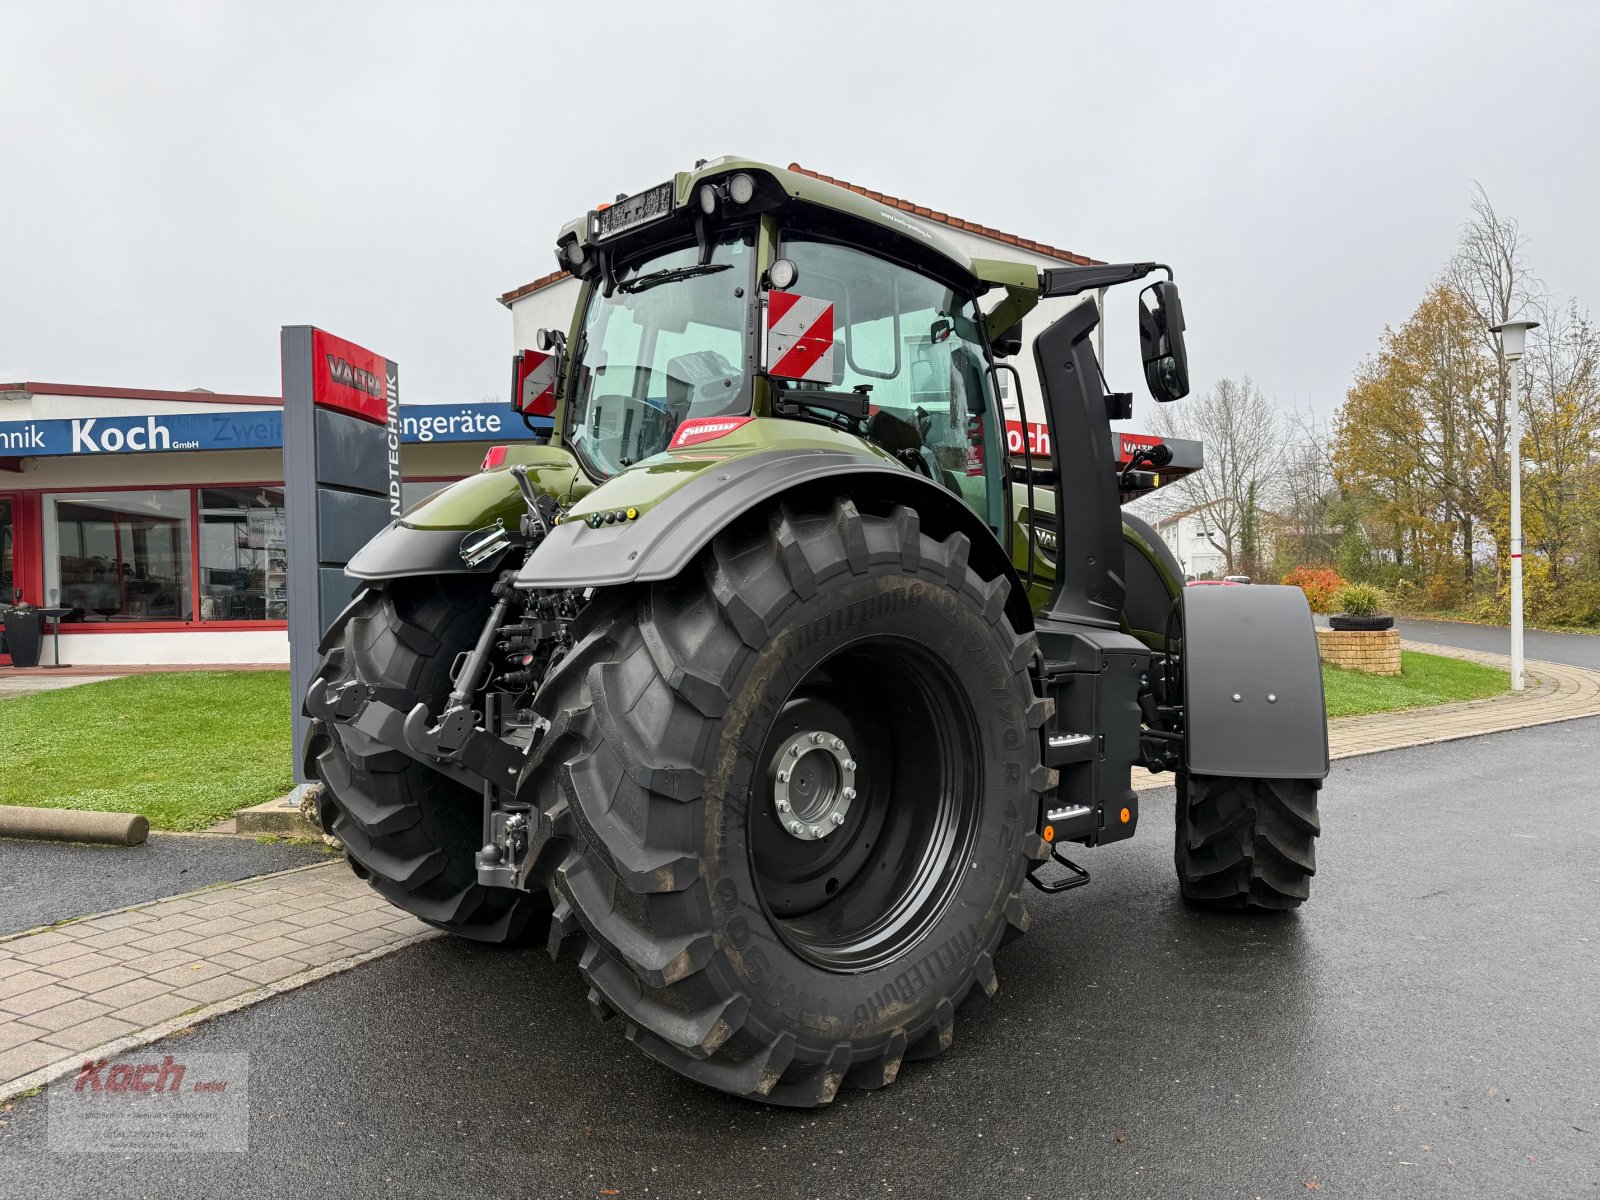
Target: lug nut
[795, 751]
[816, 831]
[849, 793]
[796, 827]
[783, 777]
[838, 818]
[783, 806]
[838, 743]
[849, 764]
[817, 738]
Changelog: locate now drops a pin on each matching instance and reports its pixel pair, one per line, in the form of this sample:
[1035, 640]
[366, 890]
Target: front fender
[427, 540]
[1252, 683]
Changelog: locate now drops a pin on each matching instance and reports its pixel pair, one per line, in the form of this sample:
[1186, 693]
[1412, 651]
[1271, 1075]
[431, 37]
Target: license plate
[634, 211]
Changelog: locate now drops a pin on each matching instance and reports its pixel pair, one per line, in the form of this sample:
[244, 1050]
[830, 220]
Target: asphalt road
[1574, 649]
[1429, 1025]
[42, 882]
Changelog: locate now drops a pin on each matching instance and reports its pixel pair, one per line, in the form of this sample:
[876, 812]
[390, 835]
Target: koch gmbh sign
[261, 429]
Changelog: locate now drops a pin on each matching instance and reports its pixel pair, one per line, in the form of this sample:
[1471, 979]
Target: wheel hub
[813, 783]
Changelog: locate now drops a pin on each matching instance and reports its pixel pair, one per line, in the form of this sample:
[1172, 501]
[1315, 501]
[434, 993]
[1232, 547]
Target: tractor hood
[679, 495]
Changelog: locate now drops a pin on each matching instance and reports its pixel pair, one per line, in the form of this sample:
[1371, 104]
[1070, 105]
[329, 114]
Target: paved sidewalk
[1552, 692]
[13, 685]
[111, 982]
[108, 983]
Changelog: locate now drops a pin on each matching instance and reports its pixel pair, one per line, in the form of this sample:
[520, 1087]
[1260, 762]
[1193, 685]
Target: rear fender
[662, 542]
[1252, 682]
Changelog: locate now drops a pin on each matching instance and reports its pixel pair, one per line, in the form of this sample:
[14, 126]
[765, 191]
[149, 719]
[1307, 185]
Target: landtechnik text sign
[341, 483]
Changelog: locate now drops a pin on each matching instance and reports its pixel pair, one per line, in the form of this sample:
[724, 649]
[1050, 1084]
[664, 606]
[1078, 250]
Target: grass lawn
[186, 749]
[1424, 679]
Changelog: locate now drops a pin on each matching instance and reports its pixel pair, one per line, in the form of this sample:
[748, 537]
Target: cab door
[915, 345]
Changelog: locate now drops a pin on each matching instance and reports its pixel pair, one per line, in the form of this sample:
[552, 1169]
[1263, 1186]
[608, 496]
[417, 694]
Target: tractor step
[1062, 749]
[1076, 876]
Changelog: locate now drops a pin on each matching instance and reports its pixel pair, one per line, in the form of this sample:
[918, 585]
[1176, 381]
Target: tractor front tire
[409, 831]
[862, 673]
[1246, 843]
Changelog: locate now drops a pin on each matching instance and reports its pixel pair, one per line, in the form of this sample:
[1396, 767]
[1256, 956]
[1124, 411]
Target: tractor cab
[738, 294]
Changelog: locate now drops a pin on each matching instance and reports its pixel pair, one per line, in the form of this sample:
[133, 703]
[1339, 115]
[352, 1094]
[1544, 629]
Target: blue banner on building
[250, 430]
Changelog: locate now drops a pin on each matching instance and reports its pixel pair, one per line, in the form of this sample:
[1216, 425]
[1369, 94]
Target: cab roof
[875, 208]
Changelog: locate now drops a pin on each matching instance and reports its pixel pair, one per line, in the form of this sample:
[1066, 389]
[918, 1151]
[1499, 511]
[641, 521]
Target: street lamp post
[1513, 339]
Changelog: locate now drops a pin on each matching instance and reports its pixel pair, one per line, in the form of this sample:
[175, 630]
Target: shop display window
[119, 556]
[244, 555]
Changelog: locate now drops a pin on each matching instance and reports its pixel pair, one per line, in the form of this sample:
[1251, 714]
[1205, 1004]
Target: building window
[244, 555]
[119, 556]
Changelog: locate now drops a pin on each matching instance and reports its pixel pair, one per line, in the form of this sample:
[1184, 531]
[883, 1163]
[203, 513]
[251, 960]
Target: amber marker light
[1049, 833]
[1126, 816]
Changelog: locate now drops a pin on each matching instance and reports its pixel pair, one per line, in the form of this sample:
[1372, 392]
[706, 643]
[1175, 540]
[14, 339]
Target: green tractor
[768, 682]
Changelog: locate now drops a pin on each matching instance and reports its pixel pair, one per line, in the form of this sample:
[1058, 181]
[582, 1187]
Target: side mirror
[1166, 361]
[1008, 343]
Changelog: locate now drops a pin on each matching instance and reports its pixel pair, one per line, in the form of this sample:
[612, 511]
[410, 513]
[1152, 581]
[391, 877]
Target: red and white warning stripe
[534, 390]
[799, 337]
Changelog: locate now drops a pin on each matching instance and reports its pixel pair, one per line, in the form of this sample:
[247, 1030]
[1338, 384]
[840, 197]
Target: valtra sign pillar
[341, 475]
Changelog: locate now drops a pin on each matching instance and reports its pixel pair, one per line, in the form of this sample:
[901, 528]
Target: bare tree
[1491, 274]
[1309, 491]
[1240, 432]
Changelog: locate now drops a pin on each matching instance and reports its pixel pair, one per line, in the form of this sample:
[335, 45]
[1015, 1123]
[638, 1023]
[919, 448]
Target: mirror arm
[1070, 281]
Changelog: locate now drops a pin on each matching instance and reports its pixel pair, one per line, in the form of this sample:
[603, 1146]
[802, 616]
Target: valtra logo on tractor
[765, 686]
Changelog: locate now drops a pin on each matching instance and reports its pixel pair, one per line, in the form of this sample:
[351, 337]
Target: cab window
[915, 344]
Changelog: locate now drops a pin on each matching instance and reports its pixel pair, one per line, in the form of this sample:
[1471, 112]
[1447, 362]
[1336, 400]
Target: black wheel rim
[863, 878]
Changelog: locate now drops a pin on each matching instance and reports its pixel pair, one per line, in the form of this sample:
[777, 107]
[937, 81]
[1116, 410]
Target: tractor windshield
[668, 344]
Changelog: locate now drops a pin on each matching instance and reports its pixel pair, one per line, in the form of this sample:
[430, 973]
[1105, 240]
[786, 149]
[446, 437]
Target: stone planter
[1375, 651]
[1369, 622]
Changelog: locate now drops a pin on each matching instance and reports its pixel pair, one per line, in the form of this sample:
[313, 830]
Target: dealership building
[152, 522]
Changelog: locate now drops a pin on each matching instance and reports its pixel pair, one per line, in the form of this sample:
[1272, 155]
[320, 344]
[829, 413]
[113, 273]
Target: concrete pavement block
[154, 1010]
[210, 991]
[38, 1000]
[28, 1056]
[73, 1012]
[271, 970]
[24, 981]
[89, 1034]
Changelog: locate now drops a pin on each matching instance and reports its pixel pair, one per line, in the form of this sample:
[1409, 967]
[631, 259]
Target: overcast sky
[180, 180]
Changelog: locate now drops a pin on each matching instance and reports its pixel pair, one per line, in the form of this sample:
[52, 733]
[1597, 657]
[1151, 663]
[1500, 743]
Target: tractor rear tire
[408, 830]
[742, 947]
[1246, 843]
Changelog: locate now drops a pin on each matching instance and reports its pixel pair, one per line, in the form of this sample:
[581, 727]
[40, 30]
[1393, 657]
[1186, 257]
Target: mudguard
[661, 542]
[427, 540]
[400, 549]
[1253, 702]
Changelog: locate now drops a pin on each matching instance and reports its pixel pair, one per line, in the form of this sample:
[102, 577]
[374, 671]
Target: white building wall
[1197, 554]
[548, 308]
[164, 649]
